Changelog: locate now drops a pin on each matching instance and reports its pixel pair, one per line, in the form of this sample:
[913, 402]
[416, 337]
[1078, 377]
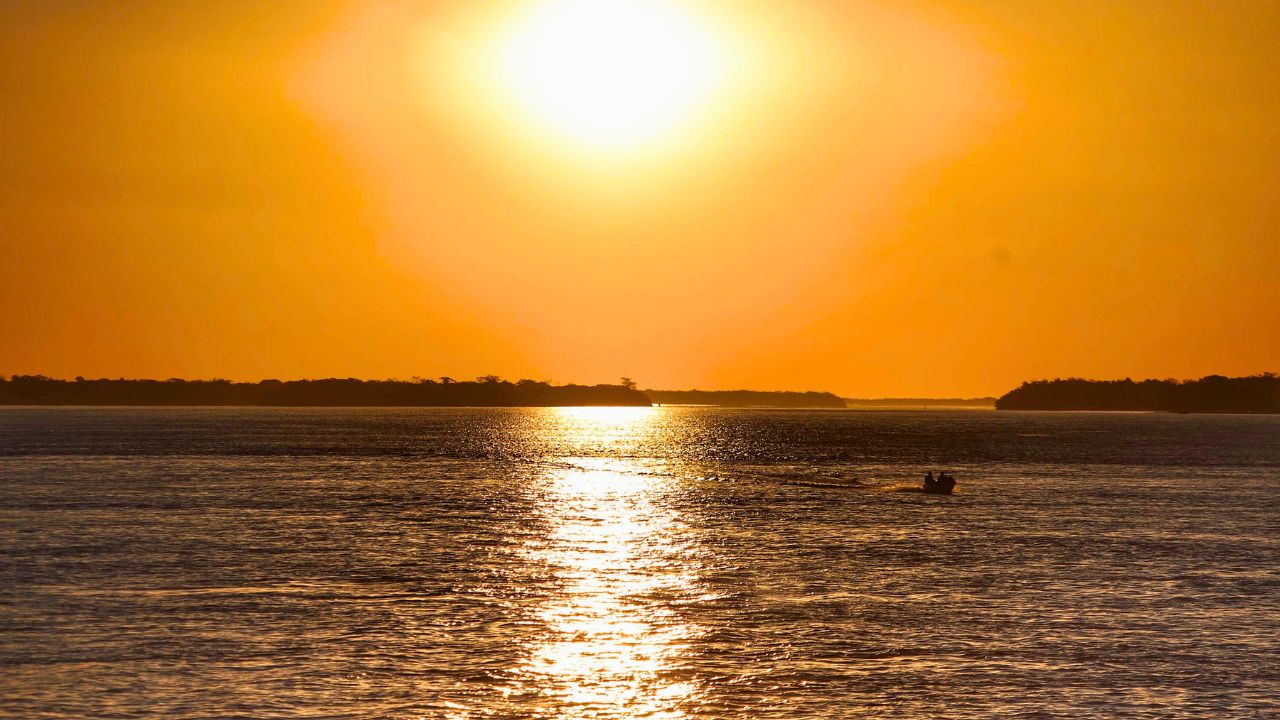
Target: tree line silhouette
[487, 391]
[1214, 393]
[1211, 394]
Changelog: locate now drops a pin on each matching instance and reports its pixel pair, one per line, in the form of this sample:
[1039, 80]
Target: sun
[610, 74]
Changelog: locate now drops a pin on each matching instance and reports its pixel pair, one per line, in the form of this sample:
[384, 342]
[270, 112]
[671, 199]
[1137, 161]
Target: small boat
[942, 485]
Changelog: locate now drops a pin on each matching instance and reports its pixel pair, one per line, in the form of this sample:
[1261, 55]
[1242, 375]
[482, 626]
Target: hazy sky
[939, 197]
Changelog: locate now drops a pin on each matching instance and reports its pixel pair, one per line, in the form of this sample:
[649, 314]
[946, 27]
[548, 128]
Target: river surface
[636, 563]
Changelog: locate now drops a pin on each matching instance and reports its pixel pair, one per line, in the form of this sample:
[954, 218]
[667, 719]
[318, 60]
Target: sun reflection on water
[611, 640]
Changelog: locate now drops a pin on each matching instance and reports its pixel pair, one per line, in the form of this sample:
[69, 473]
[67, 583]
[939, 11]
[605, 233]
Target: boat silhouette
[941, 485]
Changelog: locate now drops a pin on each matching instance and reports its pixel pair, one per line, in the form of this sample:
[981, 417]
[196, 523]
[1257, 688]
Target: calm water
[636, 563]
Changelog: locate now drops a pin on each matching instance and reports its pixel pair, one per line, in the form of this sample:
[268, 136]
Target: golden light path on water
[610, 640]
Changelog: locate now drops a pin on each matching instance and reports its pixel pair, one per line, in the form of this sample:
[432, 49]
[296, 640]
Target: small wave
[914, 489]
[852, 484]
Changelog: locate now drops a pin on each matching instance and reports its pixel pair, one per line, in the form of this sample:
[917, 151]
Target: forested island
[1212, 394]
[746, 398]
[489, 391]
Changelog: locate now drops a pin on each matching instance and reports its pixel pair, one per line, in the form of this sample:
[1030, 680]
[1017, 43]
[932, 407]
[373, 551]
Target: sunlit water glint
[608, 643]
[610, 637]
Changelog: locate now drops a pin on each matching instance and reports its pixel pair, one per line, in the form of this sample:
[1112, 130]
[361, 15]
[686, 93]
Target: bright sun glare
[610, 73]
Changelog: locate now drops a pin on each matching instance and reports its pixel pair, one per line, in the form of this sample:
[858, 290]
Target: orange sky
[936, 198]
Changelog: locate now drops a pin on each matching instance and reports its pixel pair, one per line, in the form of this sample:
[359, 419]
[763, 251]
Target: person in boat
[928, 478]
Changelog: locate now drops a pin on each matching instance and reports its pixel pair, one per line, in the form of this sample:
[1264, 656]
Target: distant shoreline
[746, 398]
[1258, 394]
[982, 403]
